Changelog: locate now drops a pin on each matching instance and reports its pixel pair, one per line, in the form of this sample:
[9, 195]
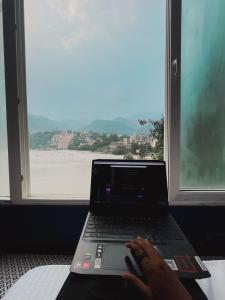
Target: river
[62, 172]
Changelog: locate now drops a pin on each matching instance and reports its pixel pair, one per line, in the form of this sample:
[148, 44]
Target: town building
[61, 140]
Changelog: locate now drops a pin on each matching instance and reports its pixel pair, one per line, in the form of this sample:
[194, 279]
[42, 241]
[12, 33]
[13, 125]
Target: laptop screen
[122, 187]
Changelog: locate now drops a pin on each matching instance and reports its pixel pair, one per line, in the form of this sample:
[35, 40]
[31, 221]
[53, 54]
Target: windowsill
[47, 201]
[196, 202]
[85, 202]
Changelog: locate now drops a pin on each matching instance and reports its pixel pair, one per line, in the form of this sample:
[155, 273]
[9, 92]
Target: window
[93, 69]
[87, 78]
[199, 167]
[4, 168]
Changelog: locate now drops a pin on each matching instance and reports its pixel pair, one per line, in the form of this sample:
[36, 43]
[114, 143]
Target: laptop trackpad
[114, 257]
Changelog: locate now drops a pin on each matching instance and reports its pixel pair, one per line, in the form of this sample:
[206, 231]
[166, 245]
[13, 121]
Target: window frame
[176, 195]
[4, 195]
[12, 100]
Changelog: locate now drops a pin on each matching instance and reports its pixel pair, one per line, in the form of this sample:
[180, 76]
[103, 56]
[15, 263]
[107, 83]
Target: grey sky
[89, 59]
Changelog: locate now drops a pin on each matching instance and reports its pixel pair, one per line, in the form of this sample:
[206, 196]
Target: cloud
[73, 23]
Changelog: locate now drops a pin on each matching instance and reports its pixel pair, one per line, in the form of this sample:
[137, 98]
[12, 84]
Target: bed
[45, 282]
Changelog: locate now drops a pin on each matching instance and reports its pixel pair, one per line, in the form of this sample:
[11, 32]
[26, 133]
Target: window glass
[95, 87]
[202, 145]
[4, 170]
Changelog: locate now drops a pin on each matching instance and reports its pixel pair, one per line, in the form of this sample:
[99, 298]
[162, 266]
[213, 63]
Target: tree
[157, 134]
[128, 156]
[41, 140]
[134, 148]
[74, 144]
[143, 150]
[120, 150]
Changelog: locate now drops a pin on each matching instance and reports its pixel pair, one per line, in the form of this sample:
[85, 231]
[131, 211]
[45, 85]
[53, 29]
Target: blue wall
[56, 229]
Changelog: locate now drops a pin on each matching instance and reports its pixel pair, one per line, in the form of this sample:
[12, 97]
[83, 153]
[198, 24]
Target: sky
[91, 59]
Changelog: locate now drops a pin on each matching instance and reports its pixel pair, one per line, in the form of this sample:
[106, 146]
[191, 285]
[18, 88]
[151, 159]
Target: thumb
[145, 290]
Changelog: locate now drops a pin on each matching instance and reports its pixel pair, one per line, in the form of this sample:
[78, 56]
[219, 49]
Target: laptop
[129, 198]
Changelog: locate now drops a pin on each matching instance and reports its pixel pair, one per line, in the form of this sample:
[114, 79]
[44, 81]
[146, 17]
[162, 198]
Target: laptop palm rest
[114, 258]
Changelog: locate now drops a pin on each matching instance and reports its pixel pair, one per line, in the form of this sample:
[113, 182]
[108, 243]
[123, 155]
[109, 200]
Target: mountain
[152, 115]
[117, 125]
[40, 123]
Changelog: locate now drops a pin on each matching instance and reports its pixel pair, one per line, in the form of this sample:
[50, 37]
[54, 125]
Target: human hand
[160, 281]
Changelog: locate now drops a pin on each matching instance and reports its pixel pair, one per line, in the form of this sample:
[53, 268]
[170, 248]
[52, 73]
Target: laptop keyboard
[116, 228]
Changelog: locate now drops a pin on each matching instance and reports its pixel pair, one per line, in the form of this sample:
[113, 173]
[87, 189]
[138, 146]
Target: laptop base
[82, 287]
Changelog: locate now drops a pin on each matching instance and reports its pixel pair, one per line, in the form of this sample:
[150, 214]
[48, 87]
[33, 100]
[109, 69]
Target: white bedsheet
[214, 287]
[40, 283]
[44, 283]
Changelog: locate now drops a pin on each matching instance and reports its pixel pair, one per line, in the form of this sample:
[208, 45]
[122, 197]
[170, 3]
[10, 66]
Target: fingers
[138, 283]
[147, 246]
[143, 244]
[144, 263]
[147, 263]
